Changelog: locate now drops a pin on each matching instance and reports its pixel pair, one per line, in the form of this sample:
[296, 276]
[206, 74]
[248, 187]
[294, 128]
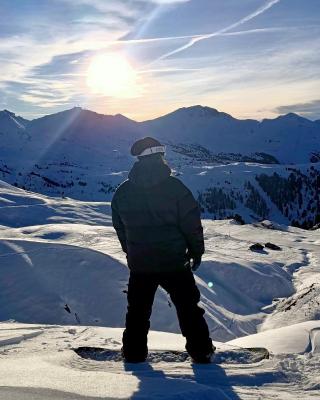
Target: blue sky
[250, 58]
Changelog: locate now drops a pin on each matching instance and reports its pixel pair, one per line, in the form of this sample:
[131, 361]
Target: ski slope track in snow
[63, 283]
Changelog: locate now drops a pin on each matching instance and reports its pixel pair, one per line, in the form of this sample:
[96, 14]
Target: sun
[112, 75]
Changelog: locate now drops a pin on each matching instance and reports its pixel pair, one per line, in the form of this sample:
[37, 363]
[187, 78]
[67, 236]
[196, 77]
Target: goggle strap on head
[153, 150]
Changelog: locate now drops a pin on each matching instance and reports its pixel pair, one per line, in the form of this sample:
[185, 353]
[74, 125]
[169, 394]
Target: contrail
[194, 40]
[171, 38]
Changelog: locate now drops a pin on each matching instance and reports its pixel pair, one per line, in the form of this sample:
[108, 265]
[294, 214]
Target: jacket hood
[149, 171]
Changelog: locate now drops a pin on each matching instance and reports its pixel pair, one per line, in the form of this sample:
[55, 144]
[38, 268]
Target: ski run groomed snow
[63, 278]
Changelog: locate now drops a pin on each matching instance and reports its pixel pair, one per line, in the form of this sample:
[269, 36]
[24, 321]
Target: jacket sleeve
[190, 222]
[118, 225]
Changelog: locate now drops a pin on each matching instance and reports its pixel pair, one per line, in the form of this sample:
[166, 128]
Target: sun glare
[112, 75]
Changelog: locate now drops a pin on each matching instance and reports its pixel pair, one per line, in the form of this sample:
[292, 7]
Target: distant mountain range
[287, 139]
[83, 154]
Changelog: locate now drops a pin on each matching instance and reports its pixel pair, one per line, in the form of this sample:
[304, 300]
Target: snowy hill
[62, 270]
[258, 170]
[62, 251]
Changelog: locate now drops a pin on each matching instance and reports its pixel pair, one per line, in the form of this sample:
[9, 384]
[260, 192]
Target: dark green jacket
[156, 218]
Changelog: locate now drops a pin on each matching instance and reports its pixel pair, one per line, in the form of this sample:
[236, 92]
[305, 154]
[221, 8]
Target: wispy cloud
[49, 38]
[220, 32]
[45, 52]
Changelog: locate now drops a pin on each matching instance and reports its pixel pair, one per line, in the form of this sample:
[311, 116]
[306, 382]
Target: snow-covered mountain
[286, 139]
[11, 122]
[267, 169]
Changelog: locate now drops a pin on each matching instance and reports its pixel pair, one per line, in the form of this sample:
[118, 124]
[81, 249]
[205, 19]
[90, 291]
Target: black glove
[194, 261]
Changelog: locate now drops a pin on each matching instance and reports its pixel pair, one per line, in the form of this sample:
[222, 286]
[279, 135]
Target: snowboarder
[158, 224]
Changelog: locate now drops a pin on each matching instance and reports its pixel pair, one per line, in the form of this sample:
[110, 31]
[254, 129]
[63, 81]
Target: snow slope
[62, 270]
[61, 251]
[27, 351]
[297, 338]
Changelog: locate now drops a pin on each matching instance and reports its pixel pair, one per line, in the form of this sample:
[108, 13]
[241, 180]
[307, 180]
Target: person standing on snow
[158, 224]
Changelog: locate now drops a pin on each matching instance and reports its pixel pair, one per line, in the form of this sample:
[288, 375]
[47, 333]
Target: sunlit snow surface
[39, 361]
[58, 252]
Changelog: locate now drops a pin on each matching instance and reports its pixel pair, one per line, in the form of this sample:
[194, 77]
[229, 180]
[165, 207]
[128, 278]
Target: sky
[145, 58]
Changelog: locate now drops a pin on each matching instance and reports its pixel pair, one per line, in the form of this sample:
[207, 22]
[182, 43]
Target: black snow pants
[185, 296]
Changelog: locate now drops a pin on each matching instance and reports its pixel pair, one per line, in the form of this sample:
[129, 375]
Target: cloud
[309, 109]
[55, 42]
[40, 44]
[220, 32]
[169, 1]
[45, 50]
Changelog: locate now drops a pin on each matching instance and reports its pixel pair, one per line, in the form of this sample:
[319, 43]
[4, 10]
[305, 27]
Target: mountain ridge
[258, 170]
[198, 107]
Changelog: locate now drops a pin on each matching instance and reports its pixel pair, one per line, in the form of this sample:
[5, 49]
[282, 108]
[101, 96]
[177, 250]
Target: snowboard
[232, 355]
